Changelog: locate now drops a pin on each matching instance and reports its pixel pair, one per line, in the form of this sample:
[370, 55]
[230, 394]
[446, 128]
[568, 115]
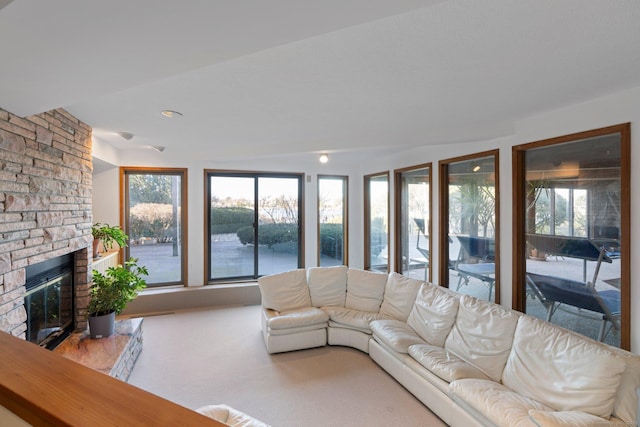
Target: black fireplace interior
[49, 301]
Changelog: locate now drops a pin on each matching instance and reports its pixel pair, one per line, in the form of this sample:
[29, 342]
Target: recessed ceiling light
[126, 135]
[171, 114]
[324, 158]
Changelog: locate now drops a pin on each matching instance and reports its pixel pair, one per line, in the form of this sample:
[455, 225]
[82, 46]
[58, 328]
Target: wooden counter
[45, 389]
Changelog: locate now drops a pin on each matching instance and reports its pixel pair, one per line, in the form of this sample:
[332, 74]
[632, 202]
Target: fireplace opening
[49, 301]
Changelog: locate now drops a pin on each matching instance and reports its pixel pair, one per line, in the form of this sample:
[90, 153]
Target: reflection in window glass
[572, 230]
[332, 220]
[472, 226]
[377, 222]
[414, 222]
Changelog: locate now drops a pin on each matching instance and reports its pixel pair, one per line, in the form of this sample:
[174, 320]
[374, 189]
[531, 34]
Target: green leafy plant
[113, 290]
[109, 235]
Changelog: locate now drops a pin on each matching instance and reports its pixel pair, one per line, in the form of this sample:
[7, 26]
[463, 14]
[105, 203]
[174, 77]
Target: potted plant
[110, 294]
[108, 235]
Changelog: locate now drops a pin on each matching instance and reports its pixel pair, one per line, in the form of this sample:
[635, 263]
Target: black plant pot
[102, 326]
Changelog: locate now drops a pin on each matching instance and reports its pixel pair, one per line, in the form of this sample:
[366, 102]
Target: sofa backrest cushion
[328, 285]
[285, 291]
[562, 370]
[365, 290]
[482, 335]
[399, 295]
[626, 402]
[433, 314]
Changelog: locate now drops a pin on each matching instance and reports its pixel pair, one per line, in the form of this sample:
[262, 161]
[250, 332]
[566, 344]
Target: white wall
[605, 111]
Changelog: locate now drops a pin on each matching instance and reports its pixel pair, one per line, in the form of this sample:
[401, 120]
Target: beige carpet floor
[203, 357]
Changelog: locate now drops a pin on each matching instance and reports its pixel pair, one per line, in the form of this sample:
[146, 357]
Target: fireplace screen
[49, 302]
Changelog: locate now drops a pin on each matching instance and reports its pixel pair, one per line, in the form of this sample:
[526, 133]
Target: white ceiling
[255, 77]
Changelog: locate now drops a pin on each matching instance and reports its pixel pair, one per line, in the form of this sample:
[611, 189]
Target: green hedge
[230, 220]
[270, 234]
[153, 220]
[331, 240]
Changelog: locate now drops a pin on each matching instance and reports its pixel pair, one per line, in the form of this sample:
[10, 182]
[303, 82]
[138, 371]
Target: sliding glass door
[254, 224]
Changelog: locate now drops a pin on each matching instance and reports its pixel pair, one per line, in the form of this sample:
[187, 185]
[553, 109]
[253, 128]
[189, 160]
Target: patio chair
[476, 259]
[554, 291]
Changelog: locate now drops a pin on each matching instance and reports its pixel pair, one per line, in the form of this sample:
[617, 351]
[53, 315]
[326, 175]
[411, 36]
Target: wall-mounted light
[324, 158]
[171, 114]
[476, 168]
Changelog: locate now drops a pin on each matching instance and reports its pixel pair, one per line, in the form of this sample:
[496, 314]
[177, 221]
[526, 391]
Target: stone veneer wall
[45, 205]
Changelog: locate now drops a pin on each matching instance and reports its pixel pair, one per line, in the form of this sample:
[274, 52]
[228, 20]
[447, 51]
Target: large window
[332, 220]
[413, 221]
[376, 222]
[155, 213]
[254, 224]
[469, 260]
[572, 232]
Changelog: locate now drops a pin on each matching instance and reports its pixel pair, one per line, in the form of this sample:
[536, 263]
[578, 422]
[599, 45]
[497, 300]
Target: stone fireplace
[45, 207]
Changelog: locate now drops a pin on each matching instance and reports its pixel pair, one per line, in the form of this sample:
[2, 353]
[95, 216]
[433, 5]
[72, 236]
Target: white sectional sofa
[469, 361]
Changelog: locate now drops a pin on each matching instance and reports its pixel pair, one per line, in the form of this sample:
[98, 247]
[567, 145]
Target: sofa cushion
[297, 318]
[395, 334]
[230, 416]
[399, 295]
[285, 291]
[433, 314]
[497, 403]
[443, 363]
[482, 335]
[572, 419]
[561, 369]
[365, 289]
[626, 402]
[327, 285]
[354, 319]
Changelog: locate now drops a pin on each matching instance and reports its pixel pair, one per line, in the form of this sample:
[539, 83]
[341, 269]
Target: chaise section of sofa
[289, 321]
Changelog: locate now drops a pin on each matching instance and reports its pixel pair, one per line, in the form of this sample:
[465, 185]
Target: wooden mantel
[45, 389]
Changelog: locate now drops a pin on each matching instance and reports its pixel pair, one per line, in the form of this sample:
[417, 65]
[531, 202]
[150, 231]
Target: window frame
[398, 193]
[256, 175]
[443, 211]
[184, 215]
[345, 216]
[519, 221]
[367, 219]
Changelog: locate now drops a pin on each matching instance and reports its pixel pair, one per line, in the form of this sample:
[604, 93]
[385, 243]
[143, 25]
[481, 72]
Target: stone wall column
[45, 205]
